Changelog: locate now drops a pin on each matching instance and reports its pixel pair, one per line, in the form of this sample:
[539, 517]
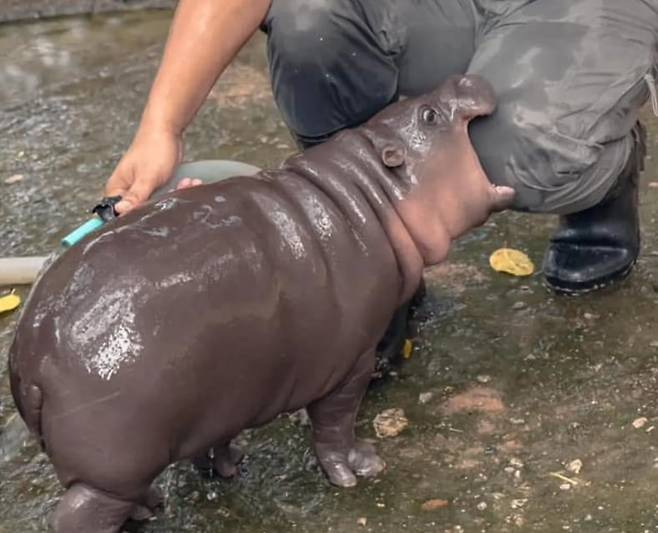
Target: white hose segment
[19, 270]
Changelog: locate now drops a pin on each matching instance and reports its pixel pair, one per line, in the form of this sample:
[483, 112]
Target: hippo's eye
[429, 115]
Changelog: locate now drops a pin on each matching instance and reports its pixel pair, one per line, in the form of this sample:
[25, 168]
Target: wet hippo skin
[216, 308]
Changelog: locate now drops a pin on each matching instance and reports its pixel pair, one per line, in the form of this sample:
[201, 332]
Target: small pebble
[518, 306]
[390, 423]
[300, 417]
[434, 504]
[518, 503]
[425, 397]
[363, 521]
[653, 184]
[589, 316]
[640, 422]
[483, 378]
[653, 344]
[14, 179]
[517, 421]
[482, 506]
[575, 466]
[516, 462]
[565, 486]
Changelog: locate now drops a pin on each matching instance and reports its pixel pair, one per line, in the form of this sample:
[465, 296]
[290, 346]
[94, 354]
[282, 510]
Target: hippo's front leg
[333, 419]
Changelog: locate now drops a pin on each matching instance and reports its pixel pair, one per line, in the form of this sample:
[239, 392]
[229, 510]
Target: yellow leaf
[407, 349]
[9, 302]
[511, 262]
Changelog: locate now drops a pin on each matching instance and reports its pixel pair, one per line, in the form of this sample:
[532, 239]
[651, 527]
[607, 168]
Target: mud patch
[455, 277]
[475, 400]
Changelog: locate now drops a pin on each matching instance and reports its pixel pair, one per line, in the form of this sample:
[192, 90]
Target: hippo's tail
[27, 396]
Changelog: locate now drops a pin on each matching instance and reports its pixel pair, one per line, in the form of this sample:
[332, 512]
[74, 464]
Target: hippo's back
[190, 309]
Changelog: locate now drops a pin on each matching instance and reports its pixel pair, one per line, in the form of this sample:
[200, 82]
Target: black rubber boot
[599, 246]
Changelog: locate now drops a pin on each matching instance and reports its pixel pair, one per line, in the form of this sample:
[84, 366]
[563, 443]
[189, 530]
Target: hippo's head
[424, 141]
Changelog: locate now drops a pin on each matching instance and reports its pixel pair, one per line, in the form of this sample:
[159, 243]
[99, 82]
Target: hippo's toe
[336, 467]
[364, 461]
[342, 468]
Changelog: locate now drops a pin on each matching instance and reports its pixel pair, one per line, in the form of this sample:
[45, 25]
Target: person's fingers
[123, 207]
[186, 183]
[135, 196]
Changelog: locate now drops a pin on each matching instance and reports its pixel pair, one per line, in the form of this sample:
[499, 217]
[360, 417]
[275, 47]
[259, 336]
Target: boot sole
[579, 289]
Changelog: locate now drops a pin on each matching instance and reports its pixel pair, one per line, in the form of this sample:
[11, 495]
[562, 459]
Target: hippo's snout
[470, 94]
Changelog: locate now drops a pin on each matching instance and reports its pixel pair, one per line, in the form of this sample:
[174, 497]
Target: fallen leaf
[433, 505]
[512, 262]
[9, 302]
[407, 349]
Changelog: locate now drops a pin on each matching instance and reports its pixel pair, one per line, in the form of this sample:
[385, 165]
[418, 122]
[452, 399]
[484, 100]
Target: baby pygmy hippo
[215, 309]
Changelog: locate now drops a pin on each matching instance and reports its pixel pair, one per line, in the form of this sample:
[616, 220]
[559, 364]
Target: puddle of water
[521, 382]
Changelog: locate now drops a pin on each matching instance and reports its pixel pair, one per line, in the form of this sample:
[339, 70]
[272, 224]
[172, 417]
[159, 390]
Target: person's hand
[147, 165]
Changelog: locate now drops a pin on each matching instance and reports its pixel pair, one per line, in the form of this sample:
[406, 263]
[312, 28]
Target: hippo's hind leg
[333, 418]
[222, 459]
[84, 509]
[147, 508]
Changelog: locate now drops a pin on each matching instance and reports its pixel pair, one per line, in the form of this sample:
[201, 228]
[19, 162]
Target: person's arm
[205, 36]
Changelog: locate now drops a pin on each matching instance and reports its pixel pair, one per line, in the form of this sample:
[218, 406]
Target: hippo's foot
[364, 461]
[222, 460]
[341, 456]
[146, 509]
[343, 467]
[84, 509]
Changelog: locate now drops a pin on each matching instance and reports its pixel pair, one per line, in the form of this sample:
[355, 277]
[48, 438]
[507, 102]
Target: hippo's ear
[393, 154]
[391, 150]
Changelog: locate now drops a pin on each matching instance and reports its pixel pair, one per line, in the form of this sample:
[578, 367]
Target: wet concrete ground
[18, 10]
[516, 383]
